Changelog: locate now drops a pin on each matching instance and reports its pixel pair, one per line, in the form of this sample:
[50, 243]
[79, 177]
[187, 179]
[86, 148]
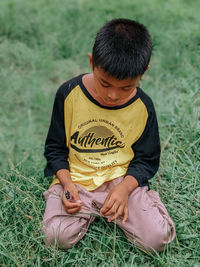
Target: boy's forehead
[105, 77]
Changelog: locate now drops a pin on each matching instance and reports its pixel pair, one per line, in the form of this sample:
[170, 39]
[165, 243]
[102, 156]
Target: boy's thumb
[77, 198]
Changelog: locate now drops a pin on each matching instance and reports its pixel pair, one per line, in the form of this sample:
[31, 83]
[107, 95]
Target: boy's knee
[158, 238]
[57, 233]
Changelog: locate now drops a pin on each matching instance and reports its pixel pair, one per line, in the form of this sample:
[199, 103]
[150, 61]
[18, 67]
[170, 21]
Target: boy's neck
[88, 82]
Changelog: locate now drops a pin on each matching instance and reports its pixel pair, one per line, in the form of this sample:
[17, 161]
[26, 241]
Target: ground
[42, 44]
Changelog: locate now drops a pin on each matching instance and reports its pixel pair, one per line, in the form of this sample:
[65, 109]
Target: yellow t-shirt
[96, 141]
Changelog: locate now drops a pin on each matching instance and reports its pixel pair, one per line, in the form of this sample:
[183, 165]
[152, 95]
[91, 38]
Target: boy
[103, 146]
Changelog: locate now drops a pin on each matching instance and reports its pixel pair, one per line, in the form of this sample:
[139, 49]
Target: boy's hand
[74, 205]
[116, 203]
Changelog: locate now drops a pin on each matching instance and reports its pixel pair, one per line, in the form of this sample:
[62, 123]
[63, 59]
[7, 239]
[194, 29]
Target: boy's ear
[90, 60]
[148, 67]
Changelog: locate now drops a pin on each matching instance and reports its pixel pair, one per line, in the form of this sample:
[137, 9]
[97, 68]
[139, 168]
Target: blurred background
[44, 43]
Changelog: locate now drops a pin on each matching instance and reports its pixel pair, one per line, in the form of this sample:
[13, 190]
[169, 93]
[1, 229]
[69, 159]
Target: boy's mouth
[110, 102]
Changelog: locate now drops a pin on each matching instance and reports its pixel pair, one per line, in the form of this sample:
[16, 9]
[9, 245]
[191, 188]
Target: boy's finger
[106, 201]
[107, 206]
[75, 198]
[70, 205]
[75, 195]
[117, 214]
[74, 210]
[112, 210]
[125, 215]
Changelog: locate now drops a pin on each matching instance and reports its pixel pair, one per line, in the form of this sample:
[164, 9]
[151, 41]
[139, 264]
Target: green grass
[42, 44]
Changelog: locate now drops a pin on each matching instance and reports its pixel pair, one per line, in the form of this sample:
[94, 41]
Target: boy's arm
[56, 151]
[146, 150]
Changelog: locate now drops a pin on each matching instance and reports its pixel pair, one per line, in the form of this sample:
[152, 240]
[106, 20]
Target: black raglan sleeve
[146, 150]
[56, 151]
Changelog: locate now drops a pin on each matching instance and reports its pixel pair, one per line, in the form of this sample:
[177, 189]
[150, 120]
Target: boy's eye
[126, 88]
[105, 85]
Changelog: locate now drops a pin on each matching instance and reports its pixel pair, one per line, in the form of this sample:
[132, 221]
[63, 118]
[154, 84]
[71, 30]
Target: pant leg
[60, 227]
[149, 225]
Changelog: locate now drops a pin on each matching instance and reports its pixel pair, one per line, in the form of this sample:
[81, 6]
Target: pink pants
[148, 226]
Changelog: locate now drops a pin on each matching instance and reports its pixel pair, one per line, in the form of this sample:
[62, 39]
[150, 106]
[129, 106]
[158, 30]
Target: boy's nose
[112, 95]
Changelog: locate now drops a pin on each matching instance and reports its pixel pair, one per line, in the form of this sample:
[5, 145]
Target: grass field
[42, 44]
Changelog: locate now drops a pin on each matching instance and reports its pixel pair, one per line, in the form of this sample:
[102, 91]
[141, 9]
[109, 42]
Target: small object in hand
[68, 196]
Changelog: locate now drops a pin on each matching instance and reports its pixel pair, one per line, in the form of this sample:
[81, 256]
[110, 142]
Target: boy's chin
[113, 104]
[110, 103]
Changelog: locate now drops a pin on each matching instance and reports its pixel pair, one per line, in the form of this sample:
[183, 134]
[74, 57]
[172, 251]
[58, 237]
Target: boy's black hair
[122, 48]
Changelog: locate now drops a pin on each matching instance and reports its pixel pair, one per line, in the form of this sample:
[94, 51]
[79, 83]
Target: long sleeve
[56, 151]
[146, 150]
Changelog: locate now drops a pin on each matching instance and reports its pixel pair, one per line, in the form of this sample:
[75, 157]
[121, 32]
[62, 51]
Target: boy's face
[113, 92]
